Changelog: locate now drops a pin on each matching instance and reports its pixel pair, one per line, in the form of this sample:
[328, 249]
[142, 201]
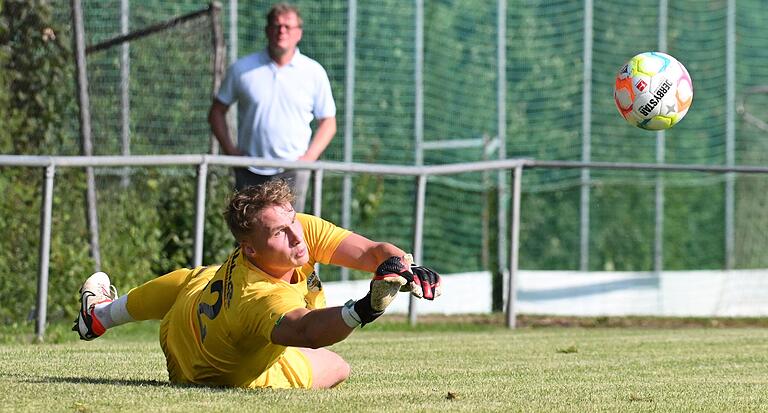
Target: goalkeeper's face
[278, 243]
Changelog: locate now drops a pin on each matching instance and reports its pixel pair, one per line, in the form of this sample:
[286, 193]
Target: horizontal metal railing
[421, 173]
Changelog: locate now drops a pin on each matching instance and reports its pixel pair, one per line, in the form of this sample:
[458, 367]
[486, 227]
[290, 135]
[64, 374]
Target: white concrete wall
[673, 293]
[468, 293]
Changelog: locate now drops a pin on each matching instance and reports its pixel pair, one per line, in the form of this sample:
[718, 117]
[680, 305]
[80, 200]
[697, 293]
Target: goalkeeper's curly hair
[242, 213]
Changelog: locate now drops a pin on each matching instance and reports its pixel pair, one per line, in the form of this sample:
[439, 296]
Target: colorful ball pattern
[653, 91]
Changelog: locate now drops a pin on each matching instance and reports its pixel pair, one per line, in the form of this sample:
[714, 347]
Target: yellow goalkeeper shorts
[291, 371]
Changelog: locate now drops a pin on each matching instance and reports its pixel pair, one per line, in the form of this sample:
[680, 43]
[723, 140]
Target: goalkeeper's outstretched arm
[393, 272]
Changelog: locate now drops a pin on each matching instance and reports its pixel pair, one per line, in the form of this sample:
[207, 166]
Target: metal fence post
[517, 177]
[233, 31]
[586, 136]
[46, 210]
[418, 236]
[85, 128]
[317, 193]
[418, 144]
[501, 114]
[202, 181]
[658, 230]
[125, 96]
[349, 120]
[317, 201]
[219, 51]
[730, 133]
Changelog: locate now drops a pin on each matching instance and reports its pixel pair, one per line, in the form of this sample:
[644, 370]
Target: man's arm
[217, 118]
[326, 326]
[311, 328]
[383, 258]
[323, 327]
[360, 253]
[324, 132]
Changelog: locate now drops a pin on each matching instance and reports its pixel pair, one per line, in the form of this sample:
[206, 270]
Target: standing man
[278, 92]
[260, 319]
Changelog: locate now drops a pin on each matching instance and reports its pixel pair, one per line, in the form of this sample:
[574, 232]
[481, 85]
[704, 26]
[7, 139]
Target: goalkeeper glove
[422, 281]
[383, 290]
[393, 275]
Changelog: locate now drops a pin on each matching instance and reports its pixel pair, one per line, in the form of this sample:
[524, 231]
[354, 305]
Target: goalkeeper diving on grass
[260, 319]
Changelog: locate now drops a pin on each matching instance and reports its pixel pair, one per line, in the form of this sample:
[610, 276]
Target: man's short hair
[282, 8]
[245, 206]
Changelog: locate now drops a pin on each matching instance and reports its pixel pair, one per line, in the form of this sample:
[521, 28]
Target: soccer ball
[653, 91]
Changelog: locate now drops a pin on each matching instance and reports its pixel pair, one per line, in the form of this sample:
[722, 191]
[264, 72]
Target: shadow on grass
[92, 380]
[114, 382]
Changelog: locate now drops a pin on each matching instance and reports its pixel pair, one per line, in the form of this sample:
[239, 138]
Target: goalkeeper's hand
[383, 290]
[422, 282]
[392, 276]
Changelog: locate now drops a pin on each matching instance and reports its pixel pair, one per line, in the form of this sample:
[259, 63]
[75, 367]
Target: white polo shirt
[276, 104]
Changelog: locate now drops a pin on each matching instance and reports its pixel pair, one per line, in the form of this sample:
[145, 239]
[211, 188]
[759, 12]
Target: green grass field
[432, 368]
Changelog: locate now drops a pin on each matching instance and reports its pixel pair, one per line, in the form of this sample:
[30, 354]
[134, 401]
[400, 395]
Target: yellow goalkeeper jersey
[219, 330]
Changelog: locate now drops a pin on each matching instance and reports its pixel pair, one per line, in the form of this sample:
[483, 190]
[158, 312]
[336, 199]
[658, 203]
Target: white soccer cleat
[95, 290]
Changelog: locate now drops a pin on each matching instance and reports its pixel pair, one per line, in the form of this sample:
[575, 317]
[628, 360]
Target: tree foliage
[35, 61]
